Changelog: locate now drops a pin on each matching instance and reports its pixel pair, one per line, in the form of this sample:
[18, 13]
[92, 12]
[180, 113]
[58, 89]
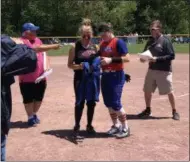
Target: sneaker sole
[127, 135]
[113, 134]
[175, 118]
[122, 136]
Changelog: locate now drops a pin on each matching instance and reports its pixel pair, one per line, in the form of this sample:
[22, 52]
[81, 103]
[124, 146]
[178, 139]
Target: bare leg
[148, 97]
[37, 105]
[147, 111]
[29, 107]
[171, 98]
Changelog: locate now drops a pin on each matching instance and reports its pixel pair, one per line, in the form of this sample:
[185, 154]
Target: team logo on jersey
[107, 49]
[159, 45]
[86, 53]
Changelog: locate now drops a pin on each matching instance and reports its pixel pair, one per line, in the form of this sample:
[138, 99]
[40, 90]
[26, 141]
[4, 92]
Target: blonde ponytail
[85, 26]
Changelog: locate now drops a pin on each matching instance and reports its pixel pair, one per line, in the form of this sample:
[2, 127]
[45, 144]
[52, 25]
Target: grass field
[133, 49]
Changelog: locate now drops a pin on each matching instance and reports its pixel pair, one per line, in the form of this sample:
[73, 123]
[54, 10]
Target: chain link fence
[178, 38]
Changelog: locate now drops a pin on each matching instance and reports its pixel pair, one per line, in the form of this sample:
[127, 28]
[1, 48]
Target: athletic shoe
[175, 116]
[123, 133]
[113, 130]
[76, 135]
[37, 119]
[32, 122]
[90, 129]
[145, 113]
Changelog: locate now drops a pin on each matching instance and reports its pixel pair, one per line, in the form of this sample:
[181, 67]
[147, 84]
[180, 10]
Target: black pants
[33, 92]
[79, 108]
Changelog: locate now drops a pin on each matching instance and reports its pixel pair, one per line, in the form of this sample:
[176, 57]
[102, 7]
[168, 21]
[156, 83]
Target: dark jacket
[15, 60]
[161, 48]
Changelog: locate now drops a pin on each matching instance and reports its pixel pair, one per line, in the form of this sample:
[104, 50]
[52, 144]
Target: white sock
[117, 124]
[30, 117]
[125, 126]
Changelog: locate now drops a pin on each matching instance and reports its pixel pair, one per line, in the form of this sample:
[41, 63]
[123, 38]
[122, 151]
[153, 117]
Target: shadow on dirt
[135, 117]
[19, 124]
[68, 135]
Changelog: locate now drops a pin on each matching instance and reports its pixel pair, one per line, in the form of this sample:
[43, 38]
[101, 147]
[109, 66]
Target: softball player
[114, 54]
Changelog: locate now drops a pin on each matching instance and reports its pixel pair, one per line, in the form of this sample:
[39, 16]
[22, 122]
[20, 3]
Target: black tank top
[83, 54]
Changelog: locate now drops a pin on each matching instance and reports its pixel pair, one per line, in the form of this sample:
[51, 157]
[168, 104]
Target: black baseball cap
[105, 27]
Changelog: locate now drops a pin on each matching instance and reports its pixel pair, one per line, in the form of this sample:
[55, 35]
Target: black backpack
[16, 59]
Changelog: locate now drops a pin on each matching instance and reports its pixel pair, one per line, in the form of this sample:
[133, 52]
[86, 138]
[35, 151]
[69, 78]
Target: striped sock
[123, 120]
[114, 118]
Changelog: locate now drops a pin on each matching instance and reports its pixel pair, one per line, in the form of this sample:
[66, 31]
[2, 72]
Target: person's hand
[17, 40]
[106, 60]
[153, 59]
[81, 66]
[141, 60]
[57, 46]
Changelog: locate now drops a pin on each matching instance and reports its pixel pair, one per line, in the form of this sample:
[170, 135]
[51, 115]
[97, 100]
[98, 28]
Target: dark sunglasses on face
[153, 29]
[86, 36]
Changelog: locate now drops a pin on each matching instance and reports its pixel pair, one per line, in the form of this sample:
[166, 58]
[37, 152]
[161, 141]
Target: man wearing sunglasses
[160, 69]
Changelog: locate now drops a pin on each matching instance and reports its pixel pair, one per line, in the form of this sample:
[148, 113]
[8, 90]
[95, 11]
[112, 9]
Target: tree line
[63, 17]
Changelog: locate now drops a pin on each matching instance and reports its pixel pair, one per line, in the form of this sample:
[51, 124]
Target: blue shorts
[112, 86]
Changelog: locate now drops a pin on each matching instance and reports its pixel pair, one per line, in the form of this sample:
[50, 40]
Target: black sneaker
[145, 113]
[90, 129]
[76, 135]
[175, 116]
[76, 130]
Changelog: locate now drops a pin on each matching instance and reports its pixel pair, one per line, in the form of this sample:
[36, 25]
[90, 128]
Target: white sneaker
[123, 133]
[113, 130]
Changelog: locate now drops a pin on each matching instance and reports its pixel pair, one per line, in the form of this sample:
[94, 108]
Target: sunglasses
[86, 36]
[153, 29]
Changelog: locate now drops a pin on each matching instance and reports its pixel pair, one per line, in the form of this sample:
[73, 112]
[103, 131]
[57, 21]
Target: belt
[109, 71]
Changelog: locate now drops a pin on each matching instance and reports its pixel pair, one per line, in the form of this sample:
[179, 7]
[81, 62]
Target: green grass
[182, 48]
[133, 49]
[62, 51]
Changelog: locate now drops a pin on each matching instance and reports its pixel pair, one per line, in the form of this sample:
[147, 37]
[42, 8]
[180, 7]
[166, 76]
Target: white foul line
[163, 98]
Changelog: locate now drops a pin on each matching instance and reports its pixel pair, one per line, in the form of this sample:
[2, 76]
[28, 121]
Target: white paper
[45, 62]
[44, 75]
[146, 55]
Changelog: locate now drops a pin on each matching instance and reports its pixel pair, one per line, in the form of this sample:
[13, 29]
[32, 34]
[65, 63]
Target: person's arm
[123, 52]
[70, 62]
[43, 47]
[168, 50]
[39, 48]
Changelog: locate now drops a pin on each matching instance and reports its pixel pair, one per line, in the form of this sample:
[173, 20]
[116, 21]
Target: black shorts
[32, 92]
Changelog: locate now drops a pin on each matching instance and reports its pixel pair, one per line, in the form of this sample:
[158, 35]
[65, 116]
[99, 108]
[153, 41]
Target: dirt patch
[159, 138]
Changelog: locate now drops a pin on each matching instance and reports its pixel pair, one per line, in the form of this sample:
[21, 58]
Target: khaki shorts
[160, 79]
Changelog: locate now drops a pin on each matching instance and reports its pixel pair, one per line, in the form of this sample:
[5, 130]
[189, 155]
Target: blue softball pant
[112, 86]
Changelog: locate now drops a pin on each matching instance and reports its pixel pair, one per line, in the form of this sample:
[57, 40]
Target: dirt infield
[158, 138]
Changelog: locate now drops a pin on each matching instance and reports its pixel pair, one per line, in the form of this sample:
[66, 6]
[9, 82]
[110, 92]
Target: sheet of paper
[45, 61]
[146, 55]
[44, 75]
